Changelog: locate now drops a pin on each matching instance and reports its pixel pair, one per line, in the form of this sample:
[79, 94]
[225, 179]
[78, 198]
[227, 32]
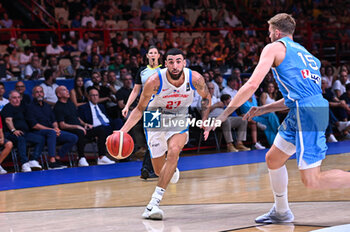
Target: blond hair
[283, 22]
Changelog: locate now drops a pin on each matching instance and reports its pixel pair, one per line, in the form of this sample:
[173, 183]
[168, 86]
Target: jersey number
[311, 62]
[172, 104]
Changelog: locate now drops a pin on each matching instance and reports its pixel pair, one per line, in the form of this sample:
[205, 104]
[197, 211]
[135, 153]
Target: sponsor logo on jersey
[165, 89]
[188, 87]
[307, 74]
[176, 95]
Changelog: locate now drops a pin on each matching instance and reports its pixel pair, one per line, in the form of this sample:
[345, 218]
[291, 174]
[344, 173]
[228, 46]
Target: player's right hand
[207, 131]
[125, 111]
[253, 112]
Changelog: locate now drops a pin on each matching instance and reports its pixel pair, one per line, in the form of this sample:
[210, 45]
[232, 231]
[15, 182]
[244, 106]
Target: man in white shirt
[84, 42]
[339, 85]
[88, 18]
[3, 101]
[231, 88]
[49, 87]
[54, 49]
[232, 20]
[33, 71]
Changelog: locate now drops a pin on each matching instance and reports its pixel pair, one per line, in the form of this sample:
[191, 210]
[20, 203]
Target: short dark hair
[174, 52]
[231, 78]
[90, 88]
[225, 97]
[2, 84]
[48, 73]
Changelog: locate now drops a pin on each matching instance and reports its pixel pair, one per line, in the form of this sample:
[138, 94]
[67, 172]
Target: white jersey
[170, 99]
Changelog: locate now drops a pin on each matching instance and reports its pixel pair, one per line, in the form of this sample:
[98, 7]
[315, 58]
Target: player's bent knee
[272, 162]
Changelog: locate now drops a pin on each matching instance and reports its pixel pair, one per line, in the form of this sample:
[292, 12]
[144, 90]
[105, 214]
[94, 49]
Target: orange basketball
[119, 145]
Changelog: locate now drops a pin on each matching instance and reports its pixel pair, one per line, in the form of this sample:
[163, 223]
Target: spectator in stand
[49, 87]
[33, 71]
[125, 8]
[329, 76]
[43, 122]
[3, 101]
[88, 17]
[104, 92]
[130, 35]
[21, 88]
[23, 42]
[146, 10]
[25, 57]
[118, 44]
[6, 22]
[84, 42]
[6, 147]
[53, 49]
[124, 92]
[78, 94]
[17, 131]
[218, 79]
[68, 47]
[231, 88]
[177, 20]
[233, 122]
[346, 97]
[14, 61]
[74, 69]
[68, 120]
[339, 85]
[76, 22]
[95, 115]
[116, 64]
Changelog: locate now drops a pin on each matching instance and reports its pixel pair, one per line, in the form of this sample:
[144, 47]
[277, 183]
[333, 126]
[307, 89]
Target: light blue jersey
[298, 76]
[299, 81]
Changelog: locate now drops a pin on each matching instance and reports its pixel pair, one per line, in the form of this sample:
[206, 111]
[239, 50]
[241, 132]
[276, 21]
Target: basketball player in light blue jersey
[303, 131]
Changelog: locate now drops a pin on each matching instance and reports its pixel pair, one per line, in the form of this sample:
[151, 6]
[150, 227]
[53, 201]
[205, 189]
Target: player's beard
[175, 77]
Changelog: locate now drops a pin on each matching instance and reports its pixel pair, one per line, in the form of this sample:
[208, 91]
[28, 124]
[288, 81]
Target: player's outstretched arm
[151, 87]
[260, 110]
[202, 89]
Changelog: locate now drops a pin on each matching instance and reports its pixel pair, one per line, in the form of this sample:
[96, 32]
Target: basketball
[119, 145]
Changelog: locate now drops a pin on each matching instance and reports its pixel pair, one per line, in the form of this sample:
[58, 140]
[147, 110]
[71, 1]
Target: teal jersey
[298, 75]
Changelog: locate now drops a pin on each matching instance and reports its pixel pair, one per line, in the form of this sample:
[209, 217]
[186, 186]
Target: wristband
[13, 130]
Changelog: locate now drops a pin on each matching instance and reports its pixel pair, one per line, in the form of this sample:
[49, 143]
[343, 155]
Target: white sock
[156, 197]
[279, 185]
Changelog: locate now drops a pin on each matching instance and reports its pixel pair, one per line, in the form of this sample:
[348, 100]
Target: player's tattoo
[156, 88]
[201, 85]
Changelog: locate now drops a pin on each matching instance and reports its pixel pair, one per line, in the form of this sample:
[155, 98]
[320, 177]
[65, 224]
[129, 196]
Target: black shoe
[55, 165]
[152, 175]
[60, 163]
[144, 173]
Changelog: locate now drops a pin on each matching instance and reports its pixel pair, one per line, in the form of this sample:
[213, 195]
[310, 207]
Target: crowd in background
[224, 57]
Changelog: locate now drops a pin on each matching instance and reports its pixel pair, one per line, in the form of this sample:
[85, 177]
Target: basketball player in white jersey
[168, 93]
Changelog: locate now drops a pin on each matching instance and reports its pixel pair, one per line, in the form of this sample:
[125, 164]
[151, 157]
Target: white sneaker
[261, 126]
[2, 170]
[273, 217]
[104, 160]
[35, 164]
[259, 146]
[343, 125]
[82, 162]
[332, 139]
[154, 213]
[26, 167]
[175, 177]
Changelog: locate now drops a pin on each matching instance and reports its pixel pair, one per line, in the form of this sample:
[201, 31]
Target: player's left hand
[207, 131]
[253, 112]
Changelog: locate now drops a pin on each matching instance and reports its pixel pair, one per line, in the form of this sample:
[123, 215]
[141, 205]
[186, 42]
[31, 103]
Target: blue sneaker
[273, 217]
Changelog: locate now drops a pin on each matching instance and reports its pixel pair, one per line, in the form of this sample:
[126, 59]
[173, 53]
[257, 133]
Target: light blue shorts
[304, 127]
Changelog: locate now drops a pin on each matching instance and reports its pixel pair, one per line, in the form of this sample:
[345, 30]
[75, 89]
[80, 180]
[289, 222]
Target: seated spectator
[232, 20]
[23, 42]
[219, 81]
[78, 93]
[68, 47]
[346, 97]
[6, 147]
[21, 88]
[42, 120]
[104, 92]
[14, 61]
[231, 88]
[6, 22]
[95, 115]
[74, 69]
[339, 85]
[49, 87]
[53, 49]
[233, 122]
[17, 131]
[26, 56]
[33, 71]
[329, 76]
[6, 68]
[88, 17]
[3, 101]
[177, 20]
[68, 118]
[84, 42]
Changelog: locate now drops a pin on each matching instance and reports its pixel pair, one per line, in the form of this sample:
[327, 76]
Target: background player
[303, 131]
[142, 75]
[171, 90]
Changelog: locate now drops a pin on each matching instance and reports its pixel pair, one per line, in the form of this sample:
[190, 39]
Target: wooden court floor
[215, 199]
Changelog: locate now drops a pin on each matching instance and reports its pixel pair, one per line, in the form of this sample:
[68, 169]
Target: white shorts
[290, 149]
[157, 141]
